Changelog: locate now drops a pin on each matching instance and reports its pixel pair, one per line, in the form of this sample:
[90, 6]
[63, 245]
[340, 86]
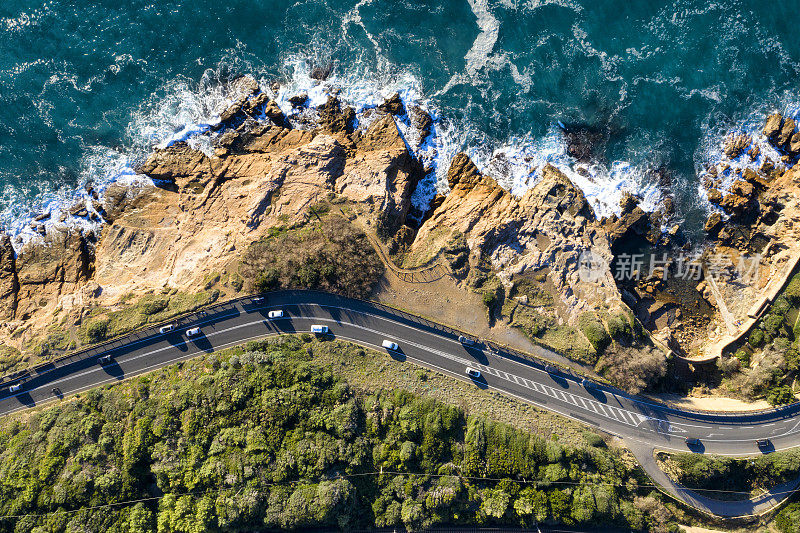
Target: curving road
[644, 426]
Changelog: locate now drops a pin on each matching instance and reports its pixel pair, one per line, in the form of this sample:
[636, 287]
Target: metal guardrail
[496, 348]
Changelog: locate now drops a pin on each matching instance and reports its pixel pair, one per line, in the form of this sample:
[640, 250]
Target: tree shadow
[556, 376]
[597, 393]
[26, 399]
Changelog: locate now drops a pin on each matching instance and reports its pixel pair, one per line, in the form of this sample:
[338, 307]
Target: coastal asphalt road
[643, 425]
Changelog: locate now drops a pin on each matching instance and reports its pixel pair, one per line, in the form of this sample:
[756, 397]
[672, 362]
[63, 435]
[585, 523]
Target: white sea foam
[184, 112]
[711, 151]
[181, 111]
[517, 166]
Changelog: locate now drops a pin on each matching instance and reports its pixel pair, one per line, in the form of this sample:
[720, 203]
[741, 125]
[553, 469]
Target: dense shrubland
[766, 364]
[263, 438]
[728, 478]
[326, 253]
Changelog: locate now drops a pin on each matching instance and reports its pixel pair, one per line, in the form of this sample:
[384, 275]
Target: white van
[166, 329]
[193, 332]
[317, 328]
[389, 345]
[16, 387]
[275, 314]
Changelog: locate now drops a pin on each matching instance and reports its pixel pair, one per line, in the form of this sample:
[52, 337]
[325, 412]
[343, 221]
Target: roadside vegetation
[262, 437]
[614, 344]
[326, 253]
[726, 478]
[102, 323]
[766, 364]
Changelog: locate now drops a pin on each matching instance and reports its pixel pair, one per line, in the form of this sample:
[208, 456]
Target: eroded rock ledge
[205, 209]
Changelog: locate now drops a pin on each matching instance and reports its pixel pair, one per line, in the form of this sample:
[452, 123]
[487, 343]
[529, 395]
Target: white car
[275, 314]
[473, 373]
[317, 328]
[193, 332]
[389, 345]
[104, 360]
[466, 341]
[166, 329]
[15, 388]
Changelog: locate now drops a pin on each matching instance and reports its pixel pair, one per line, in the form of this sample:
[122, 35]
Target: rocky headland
[201, 211]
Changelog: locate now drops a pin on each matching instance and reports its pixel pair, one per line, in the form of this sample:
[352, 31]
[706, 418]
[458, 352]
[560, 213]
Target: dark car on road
[692, 442]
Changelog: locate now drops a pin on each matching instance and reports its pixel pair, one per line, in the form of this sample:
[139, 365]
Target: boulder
[735, 205]
[299, 100]
[321, 73]
[794, 143]
[736, 144]
[393, 105]
[787, 130]
[422, 121]
[714, 196]
[274, 113]
[773, 126]
[713, 223]
[253, 105]
[742, 188]
[178, 165]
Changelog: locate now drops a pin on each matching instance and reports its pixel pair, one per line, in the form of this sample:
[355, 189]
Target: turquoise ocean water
[87, 88]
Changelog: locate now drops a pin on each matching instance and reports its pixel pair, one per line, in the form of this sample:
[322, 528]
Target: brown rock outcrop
[549, 227]
[773, 126]
[47, 271]
[203, 209]
[260, 177]
[736, 144]
[8, 279]
[393, 105]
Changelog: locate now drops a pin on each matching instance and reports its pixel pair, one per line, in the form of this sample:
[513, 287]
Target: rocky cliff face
[203, 209]
[546, 230]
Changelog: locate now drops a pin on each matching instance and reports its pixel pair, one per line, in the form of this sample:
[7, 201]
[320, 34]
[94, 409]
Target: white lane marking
[541, 388]
[250, 309]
